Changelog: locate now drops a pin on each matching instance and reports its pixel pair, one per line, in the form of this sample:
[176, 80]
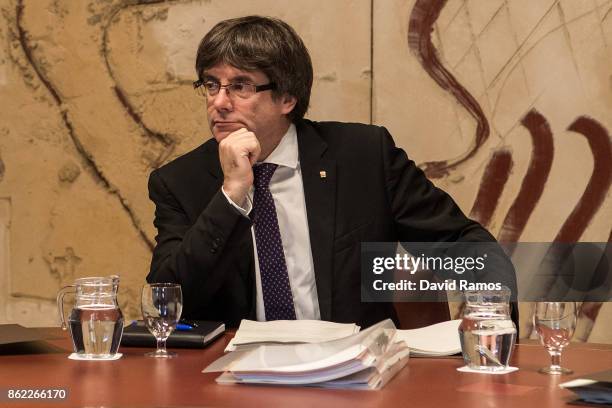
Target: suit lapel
[319, 178]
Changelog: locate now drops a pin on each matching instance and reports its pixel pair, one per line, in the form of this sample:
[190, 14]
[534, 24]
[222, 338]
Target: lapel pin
[323, 174]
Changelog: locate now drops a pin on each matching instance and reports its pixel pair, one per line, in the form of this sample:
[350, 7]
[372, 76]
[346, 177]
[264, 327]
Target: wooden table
[137, 381]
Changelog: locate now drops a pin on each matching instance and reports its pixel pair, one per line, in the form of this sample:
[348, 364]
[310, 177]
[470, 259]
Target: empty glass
[162, 304]
[555, 323]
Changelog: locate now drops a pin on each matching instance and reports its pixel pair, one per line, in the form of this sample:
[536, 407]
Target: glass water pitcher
[95, 322]
[487, 332]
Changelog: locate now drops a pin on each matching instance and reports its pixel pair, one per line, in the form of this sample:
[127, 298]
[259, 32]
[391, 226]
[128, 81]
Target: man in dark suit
[265, 220]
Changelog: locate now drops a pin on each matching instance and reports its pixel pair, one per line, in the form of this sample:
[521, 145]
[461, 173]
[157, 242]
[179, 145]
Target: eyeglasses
[240, 89]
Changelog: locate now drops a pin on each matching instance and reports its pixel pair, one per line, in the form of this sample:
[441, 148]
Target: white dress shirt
[287, 191]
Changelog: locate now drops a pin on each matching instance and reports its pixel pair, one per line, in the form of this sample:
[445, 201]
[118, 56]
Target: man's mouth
[227, 124]
[223, 128]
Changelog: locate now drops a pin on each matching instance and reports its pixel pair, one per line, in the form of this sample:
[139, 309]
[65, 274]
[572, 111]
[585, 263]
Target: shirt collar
[286, 152]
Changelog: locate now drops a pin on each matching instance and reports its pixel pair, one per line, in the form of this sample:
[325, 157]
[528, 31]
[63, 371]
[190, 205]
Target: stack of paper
[441, 339]
[365, 360]
[251, 333]
[326, 354]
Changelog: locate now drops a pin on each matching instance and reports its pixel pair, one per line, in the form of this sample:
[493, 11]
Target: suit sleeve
[192, 254]
[424, 213]
[421, 210]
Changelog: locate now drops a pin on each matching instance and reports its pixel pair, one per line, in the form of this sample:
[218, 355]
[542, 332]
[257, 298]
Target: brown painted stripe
[491, 187]
[535, 179]
[422, 18]
[165, 140]
[590, 310]
[2, 169]
[599, 183]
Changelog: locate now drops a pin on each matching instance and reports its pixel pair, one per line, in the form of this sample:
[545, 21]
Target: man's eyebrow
[208, 77]
[242, 78]
[237, 78]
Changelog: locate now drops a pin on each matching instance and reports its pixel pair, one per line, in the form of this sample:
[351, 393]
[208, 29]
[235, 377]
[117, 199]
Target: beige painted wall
[96, 93]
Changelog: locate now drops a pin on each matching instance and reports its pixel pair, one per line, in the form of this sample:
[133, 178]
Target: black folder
[202, 334]
[596, 393]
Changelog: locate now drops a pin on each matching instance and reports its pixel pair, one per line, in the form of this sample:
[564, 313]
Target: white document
[362, 360]
[365, 360]
[374, 378]
[441, 339]
[356, 375]
[307, 356]
[252, 333]
[311, 362]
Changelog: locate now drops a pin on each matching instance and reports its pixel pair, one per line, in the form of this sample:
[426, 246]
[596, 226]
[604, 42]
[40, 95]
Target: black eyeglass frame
[258, 88]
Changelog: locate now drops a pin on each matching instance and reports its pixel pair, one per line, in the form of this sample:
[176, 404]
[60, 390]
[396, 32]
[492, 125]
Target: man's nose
[222, 100]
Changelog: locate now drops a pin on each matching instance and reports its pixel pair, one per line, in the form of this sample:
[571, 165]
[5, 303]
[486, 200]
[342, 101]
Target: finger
[255, 152]
[248, 145]
[236, 134]
[240, 131]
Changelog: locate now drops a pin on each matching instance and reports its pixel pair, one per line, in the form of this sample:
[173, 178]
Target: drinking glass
[555, 323]
[486, 332]
[162, 304]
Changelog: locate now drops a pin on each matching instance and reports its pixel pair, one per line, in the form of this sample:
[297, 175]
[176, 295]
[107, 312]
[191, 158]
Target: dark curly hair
[261, 43]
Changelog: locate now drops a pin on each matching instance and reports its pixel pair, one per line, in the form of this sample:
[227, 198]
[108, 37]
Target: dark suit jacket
[371, 192]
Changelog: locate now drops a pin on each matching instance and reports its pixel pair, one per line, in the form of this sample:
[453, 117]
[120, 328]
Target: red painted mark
[533, 184]
[422, 18]
[599, 183]
[590, 310]
[491, 187]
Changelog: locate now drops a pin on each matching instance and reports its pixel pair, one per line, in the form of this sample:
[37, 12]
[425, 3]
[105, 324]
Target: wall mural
[421, 26]
[508, 109]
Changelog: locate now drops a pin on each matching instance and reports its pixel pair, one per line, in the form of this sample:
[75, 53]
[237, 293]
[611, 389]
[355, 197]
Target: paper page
[357, 374]
[309, 377]
[580, 382]
[309, 356]
[365, 360]
[289, 331]
[360, 378]
[436, 340]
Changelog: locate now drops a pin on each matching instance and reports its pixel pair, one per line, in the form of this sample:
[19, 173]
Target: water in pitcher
[487, 341]
[96, 330]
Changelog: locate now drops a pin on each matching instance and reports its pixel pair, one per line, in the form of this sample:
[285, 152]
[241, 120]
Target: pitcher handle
[60, 303]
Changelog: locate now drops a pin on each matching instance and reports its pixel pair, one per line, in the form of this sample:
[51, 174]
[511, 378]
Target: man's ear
[288, 103]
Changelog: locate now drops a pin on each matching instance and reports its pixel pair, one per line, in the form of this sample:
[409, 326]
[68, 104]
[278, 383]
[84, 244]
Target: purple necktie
[278, 300]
